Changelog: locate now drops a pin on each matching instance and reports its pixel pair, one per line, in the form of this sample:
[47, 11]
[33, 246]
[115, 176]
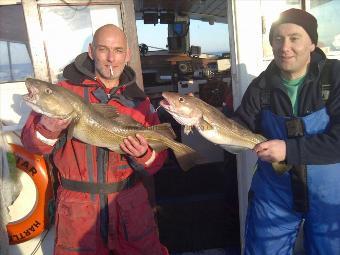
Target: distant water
[214, 52]
[15, 72]
[218, 53]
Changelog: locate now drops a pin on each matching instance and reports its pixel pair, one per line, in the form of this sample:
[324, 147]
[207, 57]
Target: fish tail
[280, 168]
[186, 156]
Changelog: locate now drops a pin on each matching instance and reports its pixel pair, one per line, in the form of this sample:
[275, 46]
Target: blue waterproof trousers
[272, 224]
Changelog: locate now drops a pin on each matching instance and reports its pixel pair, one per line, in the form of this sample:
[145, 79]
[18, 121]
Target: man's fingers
[263, 153]
[264, 146]
[142, 140]
[125, 149]
[135, 146]
[272, 151]
[128, 147]
[131, 144]
[136, 143]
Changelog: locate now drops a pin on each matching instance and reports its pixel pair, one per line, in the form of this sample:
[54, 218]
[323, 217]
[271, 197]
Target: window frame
[36, 39]
[266, 54]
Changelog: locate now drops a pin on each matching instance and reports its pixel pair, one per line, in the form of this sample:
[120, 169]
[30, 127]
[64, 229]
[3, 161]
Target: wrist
[147, 158]
[41, 128]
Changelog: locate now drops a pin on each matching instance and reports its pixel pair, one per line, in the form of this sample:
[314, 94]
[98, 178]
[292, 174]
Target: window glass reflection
[327, 14]
[68, 30]
[270, 11]
[15, 60]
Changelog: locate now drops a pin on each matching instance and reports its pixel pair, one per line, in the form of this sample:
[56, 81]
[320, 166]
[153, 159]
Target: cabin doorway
[196, 210]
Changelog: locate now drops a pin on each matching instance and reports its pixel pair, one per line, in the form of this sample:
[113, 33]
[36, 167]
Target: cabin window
[327, 14]
[200, 35]
[270, 11]
[15, 59]
[325, 11]
[68, 30]
[212, 38]
[146, 35]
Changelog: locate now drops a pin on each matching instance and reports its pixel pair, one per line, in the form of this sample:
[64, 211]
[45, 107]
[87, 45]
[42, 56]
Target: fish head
[47, 98]
[183, 108]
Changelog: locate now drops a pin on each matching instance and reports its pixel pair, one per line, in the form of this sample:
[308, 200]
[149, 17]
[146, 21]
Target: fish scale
[100, 125]
[213, 125]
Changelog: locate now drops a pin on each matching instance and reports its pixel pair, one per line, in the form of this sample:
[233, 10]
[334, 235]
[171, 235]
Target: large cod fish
[212, 124]
[100, 124]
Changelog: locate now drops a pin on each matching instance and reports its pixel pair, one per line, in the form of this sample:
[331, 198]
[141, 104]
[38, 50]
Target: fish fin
[260, 138]
[116, 149]
[187, 129]
[233, 149]
[164, 129]
[204, 125]
[70, 129]
[108, 111]
[186, 156]
[126, 120]
[280, 167]
[157, 147]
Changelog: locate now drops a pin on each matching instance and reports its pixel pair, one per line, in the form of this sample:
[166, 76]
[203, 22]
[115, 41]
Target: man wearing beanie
[295, 103]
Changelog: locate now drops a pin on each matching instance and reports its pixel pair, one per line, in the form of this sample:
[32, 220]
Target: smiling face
[110, 53]
[292, 47]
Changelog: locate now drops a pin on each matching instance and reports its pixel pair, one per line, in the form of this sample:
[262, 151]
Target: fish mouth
[32, 96]
[165, 104]
[32, 99]
[170, 108]
[182, 119]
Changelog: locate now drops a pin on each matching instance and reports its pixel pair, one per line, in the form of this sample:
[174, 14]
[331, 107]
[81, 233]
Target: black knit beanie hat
[298, 17]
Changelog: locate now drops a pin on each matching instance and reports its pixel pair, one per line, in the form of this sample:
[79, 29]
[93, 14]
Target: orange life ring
[34, 223]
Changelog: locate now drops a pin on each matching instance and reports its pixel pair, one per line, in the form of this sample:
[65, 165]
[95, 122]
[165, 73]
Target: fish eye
[48, 91]
[181, 99]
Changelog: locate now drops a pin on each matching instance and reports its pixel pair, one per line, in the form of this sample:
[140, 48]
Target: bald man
[101, 205]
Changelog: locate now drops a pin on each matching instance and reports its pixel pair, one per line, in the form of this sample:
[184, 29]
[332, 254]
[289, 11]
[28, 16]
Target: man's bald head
[107, 29]
[110, 53]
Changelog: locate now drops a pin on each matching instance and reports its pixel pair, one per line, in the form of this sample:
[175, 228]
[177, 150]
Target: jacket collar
[81, 71]
[317, 62]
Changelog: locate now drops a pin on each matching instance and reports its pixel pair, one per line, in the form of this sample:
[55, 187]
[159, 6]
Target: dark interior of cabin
[198, 209]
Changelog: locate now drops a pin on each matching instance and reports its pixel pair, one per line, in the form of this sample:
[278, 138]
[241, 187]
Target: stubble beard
[106, 74]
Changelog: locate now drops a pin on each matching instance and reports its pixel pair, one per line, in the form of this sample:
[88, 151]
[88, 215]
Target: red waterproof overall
[128, 225]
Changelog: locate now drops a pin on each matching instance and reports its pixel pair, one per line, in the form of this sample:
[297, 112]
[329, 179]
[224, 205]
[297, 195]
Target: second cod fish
[100, 124]
[212, 124]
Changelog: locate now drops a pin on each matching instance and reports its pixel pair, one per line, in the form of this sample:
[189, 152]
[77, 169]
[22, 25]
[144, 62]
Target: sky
[211, 38]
